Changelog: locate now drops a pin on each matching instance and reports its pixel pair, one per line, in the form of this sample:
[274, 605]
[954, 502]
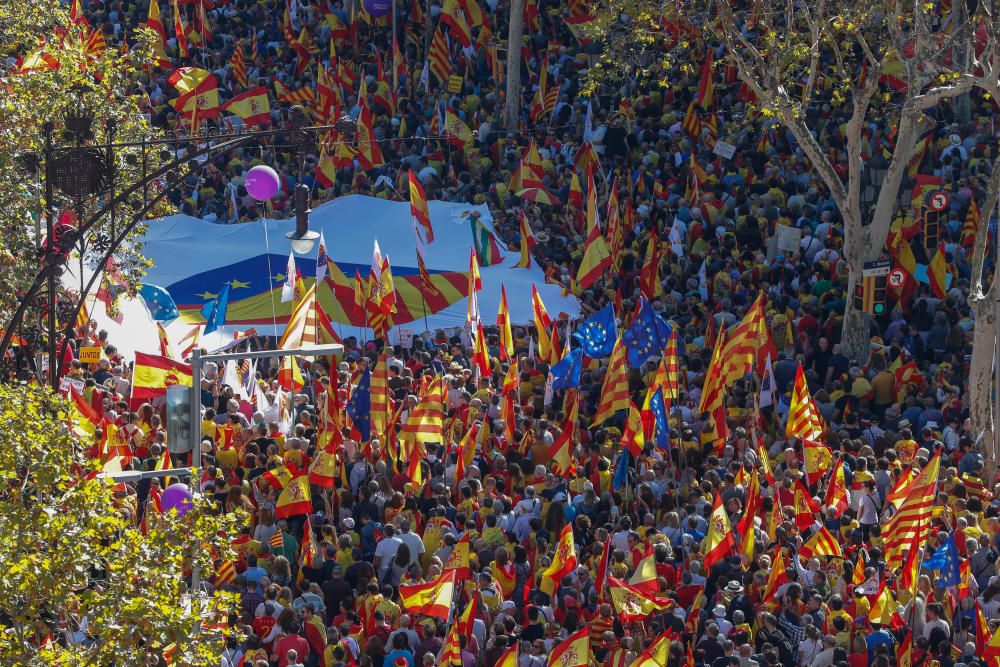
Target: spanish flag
[937, 272]
[289, 376]
[153, 374]
[563, 562]
[805, 507]
[574, 651]
[418, 208]
[719, 541]
[295, 498]
[818, 459]
[323, 469]
[644, 578]
[822, 543]
[511, 658]
[199, 89]
[631, 604]
[657, 653]
[543, 323]
[775, 578]
[503, 324]
[459, 558]
[431, 599]
[252, 106]
[528, 242]
[561, 451]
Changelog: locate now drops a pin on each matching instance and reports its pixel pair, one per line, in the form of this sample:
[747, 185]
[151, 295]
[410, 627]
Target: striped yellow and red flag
[970, 225]
[419, 209]
[744, 343]
[804, 420]
[225, 573]
[438, 56]
[308, 324]
[503, 324]
[614, 391]
[822, 543]
[912, 521]
[379, 391]
[714, 387]
[425, 423]
[431, 599]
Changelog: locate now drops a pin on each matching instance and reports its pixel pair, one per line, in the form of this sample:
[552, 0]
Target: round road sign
[896, 278]
[938, 201]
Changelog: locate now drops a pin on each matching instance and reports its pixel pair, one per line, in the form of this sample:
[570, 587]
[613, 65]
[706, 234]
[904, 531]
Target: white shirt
[414, 544]
[386, 550]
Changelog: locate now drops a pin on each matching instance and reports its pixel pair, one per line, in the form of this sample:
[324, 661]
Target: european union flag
[359, 408]
[621, 472]
[214, 311]
[597, 335]
[945, 559]
[159, 303]
[646, 336]
[659, 409]
[566, 373]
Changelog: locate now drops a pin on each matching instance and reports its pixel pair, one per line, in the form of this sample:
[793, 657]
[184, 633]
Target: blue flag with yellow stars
[662, 426]
[566, 372]
[597, 335]
[646, 336]
[159, 303]
[214, 311]
[945, 559]
[359, 407]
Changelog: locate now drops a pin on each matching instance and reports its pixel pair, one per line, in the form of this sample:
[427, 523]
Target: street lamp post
[83, 171]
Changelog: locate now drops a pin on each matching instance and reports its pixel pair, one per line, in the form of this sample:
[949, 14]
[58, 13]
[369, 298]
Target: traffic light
[869, 295]
[932, 229]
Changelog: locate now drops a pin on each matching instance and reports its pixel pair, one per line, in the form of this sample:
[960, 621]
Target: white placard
[788, 238]
[406, 338]
[724, 149]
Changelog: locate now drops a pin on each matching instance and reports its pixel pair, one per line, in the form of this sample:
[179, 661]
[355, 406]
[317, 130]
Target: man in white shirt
[411, 540]
[385, 551]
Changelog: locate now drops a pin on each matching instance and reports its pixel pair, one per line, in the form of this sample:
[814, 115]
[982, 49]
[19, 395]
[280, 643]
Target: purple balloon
[178, 497]
[378, 8]
[262, 182]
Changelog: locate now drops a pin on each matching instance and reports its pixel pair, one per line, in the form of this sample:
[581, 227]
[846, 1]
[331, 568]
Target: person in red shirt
[290, 641]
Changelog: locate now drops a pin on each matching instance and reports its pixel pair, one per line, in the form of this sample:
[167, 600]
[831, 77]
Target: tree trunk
[512, 104]
[981, 381]
[854, 333]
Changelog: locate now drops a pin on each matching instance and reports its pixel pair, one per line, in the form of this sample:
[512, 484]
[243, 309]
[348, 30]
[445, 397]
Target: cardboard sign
[454, 84]
[90, 355]
[66, 382]
[788, 238]
[724, 149]
[406, 338]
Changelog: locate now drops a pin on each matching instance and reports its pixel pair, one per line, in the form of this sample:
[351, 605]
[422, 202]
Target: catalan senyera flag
[561, 450]
[633, 604]
[719, 540]
[748, 343]
[379, 391]
[804, 420]
[431, 599]
[425, 423]
[657, 654]
[713, 388]
[295, 498]
[308, 325]
[563, 561]
[912, 521]
[614, 391]
[451, 650]
[822, 543]
[574, 651]
[153, 374]
[503, 324]
[418, 208]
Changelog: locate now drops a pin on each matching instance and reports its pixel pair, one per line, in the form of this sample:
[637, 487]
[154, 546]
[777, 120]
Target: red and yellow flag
[719, 541]
[614, 391]
[561, 451]
[563, 561]
[503, 324]
[459, 558]
[574, 651]
[431, 599]
[937, 272]
[418, 207]
[153, 374]
[822, 543]
[804, 420]
[295, 498]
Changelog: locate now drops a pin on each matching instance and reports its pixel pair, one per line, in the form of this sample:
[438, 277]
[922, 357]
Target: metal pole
[996, 361]
[392, 51]
[50, 260]
[195, 431]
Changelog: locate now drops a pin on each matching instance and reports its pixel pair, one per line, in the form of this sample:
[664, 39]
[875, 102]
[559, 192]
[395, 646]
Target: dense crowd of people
[381, 527]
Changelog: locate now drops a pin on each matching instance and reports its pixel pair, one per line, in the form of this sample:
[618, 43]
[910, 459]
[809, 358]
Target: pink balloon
[262, 182]
[178, 497]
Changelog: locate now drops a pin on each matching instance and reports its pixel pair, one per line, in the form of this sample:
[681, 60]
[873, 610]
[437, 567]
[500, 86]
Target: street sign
[938, 201]
[897, 278]
[879, 267]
